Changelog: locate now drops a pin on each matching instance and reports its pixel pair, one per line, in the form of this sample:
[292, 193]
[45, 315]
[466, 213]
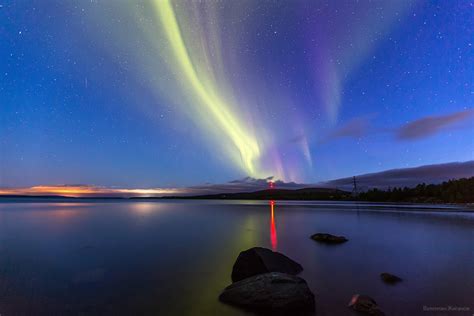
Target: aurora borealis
[163, 94]
[207, 95]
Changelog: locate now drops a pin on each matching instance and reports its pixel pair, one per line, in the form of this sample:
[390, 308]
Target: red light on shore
[271, 184]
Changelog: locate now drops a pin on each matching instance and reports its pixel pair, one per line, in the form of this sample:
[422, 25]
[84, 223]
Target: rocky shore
[266, 282]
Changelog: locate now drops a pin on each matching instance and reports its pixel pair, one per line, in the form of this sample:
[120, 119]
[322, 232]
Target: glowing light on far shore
[271, 185]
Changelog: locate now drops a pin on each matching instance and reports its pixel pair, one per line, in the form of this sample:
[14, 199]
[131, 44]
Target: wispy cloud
[431, 125]
[409, 176]
[354, 128]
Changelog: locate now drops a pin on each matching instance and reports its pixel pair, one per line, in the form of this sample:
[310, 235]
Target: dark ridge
[271, 194]
[453, 191]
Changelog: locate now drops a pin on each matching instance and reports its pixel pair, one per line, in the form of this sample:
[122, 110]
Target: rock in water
[365, 304]
[390, 278]
[328, 238]
[89, 276]
[259, 260]
[274, 293]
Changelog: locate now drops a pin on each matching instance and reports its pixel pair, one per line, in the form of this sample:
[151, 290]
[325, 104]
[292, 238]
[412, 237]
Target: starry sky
[181, 93]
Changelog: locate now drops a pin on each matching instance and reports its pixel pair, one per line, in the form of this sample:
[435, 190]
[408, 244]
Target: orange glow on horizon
[87, 191]
[72, 191]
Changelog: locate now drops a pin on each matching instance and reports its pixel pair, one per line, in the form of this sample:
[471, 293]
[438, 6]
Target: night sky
[165, 94]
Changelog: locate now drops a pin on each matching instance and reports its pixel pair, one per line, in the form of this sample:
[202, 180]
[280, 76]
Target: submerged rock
[89, 276]
[274, 293]
[328, 238]
[259, 260]
[390, 278]
[365, 304]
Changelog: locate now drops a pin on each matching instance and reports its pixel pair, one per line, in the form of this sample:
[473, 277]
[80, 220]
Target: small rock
[365, 304]
[259, 260]
[328, 238]
[274, 293]
[390, 278]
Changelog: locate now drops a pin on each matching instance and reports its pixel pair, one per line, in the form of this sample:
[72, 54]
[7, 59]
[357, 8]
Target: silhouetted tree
[452, 191]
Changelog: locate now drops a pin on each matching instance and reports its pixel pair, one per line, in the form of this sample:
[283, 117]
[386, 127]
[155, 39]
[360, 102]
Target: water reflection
[123, 257]
[144, 208]
[273, 232]
[64, 213]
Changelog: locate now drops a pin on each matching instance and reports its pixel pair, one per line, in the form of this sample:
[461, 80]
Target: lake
[174, 257]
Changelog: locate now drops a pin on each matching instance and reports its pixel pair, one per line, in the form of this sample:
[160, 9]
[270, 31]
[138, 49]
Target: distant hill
[453, 191]
[275, 194]
[270, 194]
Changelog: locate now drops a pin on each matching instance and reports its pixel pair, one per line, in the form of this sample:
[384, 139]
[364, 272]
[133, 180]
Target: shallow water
[174, 257]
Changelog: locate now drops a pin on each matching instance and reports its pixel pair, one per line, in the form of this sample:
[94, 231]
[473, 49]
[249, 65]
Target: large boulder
[273, 293]
[259, 260]
[328, 238]
[390, 278]
[365, 304]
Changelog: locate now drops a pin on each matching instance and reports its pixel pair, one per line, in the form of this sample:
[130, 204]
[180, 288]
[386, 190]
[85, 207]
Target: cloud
[297, 139]
[431, 125]
[408, 176]
[354, 128]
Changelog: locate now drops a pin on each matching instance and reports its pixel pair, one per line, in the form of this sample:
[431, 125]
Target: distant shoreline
[453, 192]
[67, 199]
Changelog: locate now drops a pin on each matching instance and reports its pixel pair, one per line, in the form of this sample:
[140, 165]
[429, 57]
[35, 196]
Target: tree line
[452, 191]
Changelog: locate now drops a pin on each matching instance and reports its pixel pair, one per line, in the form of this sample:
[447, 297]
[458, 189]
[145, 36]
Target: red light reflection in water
[273, 232]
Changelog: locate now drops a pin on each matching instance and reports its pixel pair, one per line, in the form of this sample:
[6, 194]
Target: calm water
[174, 257]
